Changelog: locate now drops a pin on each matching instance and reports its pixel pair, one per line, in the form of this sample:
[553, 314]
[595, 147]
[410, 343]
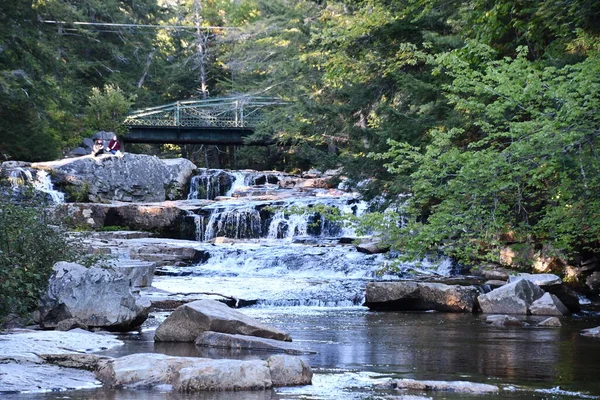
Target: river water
[301, 280]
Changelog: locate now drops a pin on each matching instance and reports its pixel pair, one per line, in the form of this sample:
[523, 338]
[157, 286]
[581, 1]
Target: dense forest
[480, 118]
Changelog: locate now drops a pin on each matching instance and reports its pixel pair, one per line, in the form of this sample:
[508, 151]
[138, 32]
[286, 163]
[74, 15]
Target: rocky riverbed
[190, 237]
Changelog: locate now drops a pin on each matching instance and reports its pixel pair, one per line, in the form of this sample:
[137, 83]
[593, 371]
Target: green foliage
[107, 108]
[29, 247]
[523, 161]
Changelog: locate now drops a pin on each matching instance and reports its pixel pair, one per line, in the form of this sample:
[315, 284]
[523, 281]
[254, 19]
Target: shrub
[29, 247]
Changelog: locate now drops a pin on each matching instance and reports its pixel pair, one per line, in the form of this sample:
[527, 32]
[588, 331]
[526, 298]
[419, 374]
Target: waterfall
[239, 182]
[209, 184]
[20, 177]
[44, 184]
[238, 223]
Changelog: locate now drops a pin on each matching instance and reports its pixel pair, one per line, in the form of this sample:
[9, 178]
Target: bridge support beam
[184, 135]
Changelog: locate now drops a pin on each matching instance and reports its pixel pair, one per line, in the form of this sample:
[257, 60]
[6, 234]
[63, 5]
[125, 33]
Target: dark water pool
[358, 350]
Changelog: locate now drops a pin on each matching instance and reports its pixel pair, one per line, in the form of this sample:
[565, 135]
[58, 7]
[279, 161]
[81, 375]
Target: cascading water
[281, 249]
[20, 178]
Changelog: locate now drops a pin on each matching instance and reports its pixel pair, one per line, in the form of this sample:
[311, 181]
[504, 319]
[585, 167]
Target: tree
[522, 165]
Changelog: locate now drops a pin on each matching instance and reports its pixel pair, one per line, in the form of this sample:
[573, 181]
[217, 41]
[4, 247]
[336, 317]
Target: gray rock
[289, 371]
[141, 273]
[420, 296]
[190, 320]
[97, 297]
[243, 342]
[69, 324]
[542, 280]
[30, 377]
[592, 332]
[225, 375]
[552, 322]
[88, 362]
[503, 321]
[131, 178]
[191, 374]
[512, 298]
[372, 247]
[453, 386]
[548, 304]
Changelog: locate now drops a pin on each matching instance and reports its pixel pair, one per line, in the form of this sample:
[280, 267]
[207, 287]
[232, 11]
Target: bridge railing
[225, 112]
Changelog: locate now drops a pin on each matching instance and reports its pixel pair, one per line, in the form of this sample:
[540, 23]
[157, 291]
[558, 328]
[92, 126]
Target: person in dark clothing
[114, 146]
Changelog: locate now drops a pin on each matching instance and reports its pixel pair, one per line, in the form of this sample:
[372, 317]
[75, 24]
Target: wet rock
[243, 342]
[592, 332]
[289, 371]
[503, 321]
[512, 298]
[453, 386]
[99, 298]
[165, 218]
[165, 253]
[420, 296]
[542, 280]
[372, 247]
[548, 304]
[552, 322]
[131, 178]
[192, 374]
[87, 362]
[190, 320]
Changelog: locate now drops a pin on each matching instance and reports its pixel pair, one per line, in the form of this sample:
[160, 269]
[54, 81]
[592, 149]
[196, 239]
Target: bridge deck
[186, 135]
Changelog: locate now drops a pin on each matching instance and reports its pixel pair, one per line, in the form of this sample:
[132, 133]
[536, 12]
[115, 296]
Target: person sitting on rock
[114, 146]
[98, 148]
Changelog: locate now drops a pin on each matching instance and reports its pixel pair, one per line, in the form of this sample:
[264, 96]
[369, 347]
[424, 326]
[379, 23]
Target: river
[300, 280]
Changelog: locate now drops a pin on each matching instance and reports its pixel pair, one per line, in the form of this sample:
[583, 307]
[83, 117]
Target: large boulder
[191, 374]
[421, 296]
[97, 297]
[131, 178]
[166, 218]
[512, 298]
[190, 320]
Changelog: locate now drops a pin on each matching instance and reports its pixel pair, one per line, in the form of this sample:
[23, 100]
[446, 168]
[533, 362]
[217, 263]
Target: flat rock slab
[31, 377]
[451, 386]
[191, 374]
[190, 320]
[542, 280]
[420, 296]
[24, 344]
[243, 342]
[25, 360]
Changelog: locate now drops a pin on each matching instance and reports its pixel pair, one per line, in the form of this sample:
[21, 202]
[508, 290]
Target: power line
[108, 24]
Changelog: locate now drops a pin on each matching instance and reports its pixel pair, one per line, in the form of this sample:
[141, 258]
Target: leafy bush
[29, 247]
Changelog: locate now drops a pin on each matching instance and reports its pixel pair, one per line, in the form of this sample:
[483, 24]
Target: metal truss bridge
[225, 120]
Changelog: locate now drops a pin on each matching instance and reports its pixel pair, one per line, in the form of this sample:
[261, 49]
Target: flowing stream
[296, 271]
